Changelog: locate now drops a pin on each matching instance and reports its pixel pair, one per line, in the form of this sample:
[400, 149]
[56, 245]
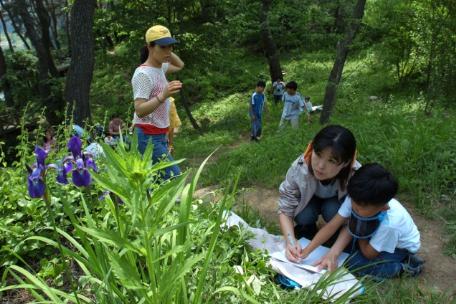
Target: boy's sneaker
[413, 265]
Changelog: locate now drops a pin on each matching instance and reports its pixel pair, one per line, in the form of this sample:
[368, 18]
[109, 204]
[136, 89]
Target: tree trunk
[338, 19]
[5, 30]
[187, 110]
[43, 53]
[269, 46]
[342, 50]
[5, 84]
[51, 8]
[183, 95]
[45, 38]
[17, 29]
[430, 87]
[207, 10]
[45, 64]
[67, 29]
[79, 78]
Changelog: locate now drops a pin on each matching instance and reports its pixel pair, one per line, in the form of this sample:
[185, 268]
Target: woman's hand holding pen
[293, 249]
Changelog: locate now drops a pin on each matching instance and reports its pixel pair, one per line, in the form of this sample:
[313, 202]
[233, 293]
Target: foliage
[418, 42]
[22, 74]
[111, 93]
[397, 71]
[144, 246]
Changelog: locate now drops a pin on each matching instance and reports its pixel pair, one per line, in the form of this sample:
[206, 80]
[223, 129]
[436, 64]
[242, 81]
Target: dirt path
[440, 270]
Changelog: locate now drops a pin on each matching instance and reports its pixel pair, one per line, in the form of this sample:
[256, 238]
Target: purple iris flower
[75, 146]
[78, 165]
[41, 155]
[35, 180]
[90, 163]
[63, 170]
[35, 183]
[81, 176]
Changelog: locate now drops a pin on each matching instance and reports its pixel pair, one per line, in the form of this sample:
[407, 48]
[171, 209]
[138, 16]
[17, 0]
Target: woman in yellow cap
[151, 92]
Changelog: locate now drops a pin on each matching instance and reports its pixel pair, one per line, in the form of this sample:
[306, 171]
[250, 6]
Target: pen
[291, 239]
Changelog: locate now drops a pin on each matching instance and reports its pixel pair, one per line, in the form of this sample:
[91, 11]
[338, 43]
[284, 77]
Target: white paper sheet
[309, 262]
[275, 246]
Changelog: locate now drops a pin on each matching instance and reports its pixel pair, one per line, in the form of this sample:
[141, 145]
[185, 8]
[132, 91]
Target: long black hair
[342, 143]
[144, 52]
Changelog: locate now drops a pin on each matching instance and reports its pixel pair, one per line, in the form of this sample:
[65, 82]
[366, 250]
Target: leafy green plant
[141, 247]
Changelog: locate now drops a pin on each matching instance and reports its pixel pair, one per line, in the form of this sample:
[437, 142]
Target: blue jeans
[256, 124]
[160, 152]
[306, 219]
[385, 265]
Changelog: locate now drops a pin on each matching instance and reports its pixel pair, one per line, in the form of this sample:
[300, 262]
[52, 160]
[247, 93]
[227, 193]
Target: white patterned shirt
[149, 82]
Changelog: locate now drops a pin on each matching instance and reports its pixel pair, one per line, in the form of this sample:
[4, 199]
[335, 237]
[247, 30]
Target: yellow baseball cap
[160, 35]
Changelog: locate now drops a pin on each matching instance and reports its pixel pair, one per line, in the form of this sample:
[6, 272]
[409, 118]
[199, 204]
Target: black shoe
[412, 265]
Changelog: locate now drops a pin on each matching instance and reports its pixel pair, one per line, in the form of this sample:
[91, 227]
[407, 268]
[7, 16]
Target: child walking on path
[384, 237]
[257, 103]
[293, 106]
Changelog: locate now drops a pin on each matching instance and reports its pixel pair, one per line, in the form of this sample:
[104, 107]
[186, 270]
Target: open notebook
[309, 262]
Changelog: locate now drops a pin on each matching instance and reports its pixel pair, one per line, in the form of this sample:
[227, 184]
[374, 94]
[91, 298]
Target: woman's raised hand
[173, 87]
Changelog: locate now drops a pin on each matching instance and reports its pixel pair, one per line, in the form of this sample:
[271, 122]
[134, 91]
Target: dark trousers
[306, 220]
[385, 265]
[256, 124]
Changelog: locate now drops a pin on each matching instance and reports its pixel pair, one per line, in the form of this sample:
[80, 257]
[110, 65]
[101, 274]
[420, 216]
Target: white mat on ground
[274, 245]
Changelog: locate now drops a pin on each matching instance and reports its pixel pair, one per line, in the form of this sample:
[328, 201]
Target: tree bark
[338, 19]
[53, 18]
[67, 29]
[5, 84]
[185, 103]
[269, 46]
[79, 78]
[45, 64]
[17, 29]
[5, 30]
[45, 38]
[44, 55]
[343, 47]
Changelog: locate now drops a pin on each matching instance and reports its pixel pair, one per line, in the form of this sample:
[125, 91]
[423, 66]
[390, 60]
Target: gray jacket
[299, 187]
